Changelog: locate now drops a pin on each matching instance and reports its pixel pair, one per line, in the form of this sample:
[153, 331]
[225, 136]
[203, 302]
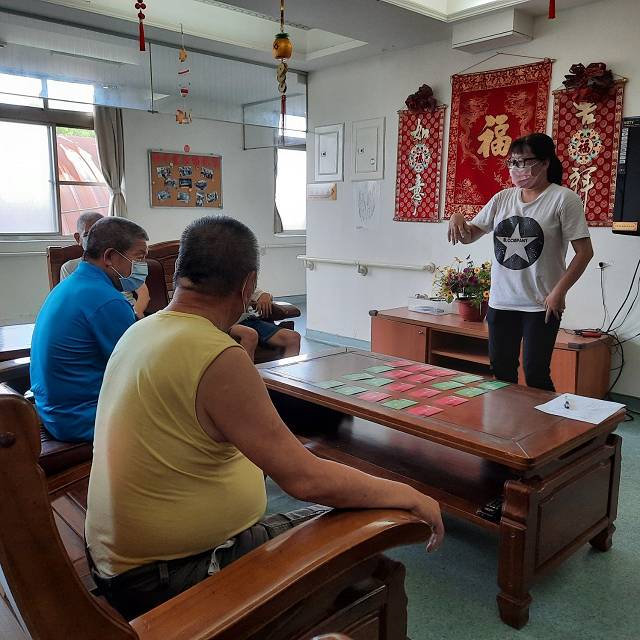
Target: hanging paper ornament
[552, 9]
[140, 6]
[282, 50]
[183, 115]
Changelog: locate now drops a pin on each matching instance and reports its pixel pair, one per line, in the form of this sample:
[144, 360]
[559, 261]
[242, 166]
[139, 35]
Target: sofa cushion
[56, 456]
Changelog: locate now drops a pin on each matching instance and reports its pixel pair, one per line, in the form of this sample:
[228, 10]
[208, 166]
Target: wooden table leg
[534, 536]
[515, 562]
[604, 540]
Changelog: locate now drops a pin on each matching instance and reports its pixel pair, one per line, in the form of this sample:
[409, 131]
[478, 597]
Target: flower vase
[470, 312]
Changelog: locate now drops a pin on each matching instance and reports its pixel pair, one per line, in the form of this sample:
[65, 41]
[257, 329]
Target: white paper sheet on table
[581, 408]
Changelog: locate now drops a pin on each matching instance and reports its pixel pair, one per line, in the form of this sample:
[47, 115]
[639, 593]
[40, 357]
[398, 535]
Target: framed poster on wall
[185, 180]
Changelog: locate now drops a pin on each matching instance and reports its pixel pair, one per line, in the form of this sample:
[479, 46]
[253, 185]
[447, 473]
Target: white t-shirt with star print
[530, 243]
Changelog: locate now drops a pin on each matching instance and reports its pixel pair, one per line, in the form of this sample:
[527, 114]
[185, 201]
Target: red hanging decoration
[552, 9]
[140, 6]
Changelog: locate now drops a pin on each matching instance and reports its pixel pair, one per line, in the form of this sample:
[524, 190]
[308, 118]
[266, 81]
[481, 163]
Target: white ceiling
[324, 32]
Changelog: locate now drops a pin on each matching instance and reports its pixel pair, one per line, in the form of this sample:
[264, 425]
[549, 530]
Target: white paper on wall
[366, 204]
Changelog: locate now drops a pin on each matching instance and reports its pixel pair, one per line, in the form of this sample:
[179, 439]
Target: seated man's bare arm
[233, 405]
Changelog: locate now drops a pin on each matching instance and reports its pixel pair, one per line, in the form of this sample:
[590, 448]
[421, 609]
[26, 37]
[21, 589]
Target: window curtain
[277, 220]
[110, 137]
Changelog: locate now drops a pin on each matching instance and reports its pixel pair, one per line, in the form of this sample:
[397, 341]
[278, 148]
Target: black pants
[507, 330]
[137, 591]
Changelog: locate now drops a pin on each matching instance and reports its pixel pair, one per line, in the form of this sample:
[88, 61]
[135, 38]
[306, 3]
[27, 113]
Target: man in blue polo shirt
[80, 323]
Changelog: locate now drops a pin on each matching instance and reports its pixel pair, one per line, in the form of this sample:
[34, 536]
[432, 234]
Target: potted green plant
[467, 284]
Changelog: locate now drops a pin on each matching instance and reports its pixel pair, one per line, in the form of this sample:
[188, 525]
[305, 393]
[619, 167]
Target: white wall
[377, 87]
[247, 186]
[248, 191]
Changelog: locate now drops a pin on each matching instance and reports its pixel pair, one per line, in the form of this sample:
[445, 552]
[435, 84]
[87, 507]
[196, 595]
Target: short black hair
[543, 148]
[113, 233]
[216, 255]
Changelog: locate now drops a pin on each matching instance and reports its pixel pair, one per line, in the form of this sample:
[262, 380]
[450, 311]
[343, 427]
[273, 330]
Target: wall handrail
[363, 266]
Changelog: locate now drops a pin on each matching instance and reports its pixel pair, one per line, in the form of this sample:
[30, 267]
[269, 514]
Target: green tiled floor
[592, 596]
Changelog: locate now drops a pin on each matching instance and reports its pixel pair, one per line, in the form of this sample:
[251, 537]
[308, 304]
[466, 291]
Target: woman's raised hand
[459, 229]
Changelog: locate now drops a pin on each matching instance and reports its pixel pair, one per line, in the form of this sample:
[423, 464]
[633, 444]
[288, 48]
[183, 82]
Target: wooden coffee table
[557, 478]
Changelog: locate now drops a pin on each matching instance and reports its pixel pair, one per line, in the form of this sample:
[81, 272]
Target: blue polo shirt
[76, 330]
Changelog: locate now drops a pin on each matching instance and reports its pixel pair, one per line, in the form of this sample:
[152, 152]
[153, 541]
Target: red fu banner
[419, 165]
[489, 110]
[587, 136]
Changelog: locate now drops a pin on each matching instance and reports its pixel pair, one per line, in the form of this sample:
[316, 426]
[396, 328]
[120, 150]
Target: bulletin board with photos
[185, 179]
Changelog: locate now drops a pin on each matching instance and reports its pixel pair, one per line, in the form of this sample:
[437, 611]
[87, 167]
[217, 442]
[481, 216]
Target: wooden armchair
[326, 575]
[56, 257]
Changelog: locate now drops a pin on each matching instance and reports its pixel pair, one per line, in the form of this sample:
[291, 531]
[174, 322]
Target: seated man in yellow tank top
[185, 431]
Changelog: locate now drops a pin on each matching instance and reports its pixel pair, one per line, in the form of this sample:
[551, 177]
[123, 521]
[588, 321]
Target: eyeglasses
[519, 163]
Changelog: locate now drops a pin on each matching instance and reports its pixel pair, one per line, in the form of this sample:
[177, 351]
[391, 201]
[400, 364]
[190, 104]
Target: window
[49, 167]
[80, 182]
[291, 189]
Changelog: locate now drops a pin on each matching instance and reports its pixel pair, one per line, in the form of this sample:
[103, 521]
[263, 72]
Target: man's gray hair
[113, 233]
[216, 255]
[88, 218]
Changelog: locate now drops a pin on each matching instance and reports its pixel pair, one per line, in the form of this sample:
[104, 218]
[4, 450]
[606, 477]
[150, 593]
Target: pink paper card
[442, 372]
[423, 410]
[451, 401]
[400, 363]
[397, 373]
[423, 393]
[374, 396]
[420, 377]
[419, 368]
[399, 386]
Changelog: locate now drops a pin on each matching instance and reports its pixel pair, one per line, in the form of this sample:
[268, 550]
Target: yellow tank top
[160, 487]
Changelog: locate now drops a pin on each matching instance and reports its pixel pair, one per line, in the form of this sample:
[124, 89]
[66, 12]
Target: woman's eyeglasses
[520, 163]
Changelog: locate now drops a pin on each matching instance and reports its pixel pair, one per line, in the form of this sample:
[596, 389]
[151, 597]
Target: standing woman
[532, 224]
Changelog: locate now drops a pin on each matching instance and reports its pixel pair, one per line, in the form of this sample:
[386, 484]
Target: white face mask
[525, 178]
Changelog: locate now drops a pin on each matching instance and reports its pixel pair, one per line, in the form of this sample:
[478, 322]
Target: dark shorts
[266, 330]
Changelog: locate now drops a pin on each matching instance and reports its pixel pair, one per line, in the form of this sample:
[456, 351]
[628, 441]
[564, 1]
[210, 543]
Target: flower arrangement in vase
[466, 283]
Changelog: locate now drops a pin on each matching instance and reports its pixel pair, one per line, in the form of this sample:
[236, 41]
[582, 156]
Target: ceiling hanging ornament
[140, 6]
[552, 9]
[282, 50]
[183, 115]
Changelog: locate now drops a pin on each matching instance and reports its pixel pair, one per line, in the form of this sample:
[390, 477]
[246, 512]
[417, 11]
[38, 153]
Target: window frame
[51, 118]
[290, 233]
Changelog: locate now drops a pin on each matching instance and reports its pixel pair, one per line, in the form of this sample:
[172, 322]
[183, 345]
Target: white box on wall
[329, 145]
[367, 142]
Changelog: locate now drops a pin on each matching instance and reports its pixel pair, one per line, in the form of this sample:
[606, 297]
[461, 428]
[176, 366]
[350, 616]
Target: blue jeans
[137, 591]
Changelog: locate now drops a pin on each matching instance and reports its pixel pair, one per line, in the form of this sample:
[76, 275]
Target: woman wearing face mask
[532, 224]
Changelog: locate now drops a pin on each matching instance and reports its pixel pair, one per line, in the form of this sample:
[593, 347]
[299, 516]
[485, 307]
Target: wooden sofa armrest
[278, 574]
[283, 311]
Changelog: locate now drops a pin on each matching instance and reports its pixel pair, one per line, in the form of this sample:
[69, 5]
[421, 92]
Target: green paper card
[358, 376]
[379, 369]
[398, 404]
[349, 391]
[328, 384]
[470, 392]
[492, 385]
[379, 382]
[467, 378]
[445, 386]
